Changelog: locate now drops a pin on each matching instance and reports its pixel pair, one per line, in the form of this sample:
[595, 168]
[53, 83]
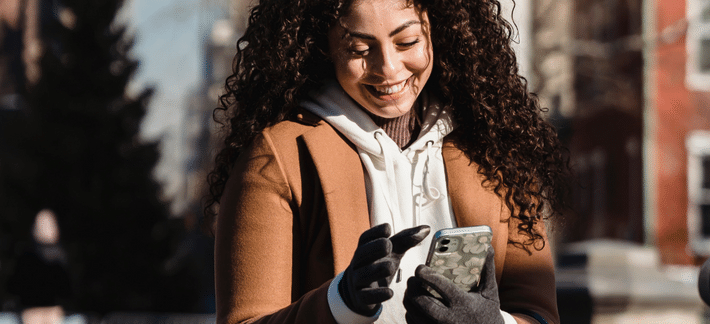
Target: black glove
[365, 283]
[456, 306]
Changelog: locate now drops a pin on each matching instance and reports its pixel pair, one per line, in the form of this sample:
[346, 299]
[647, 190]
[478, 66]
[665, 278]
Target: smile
[389, 92]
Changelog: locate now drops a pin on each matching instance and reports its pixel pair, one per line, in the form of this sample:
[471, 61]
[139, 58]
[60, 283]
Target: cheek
[348, 70]
[421, 60]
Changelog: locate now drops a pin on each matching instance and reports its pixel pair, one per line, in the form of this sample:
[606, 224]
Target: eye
[409, 44]
[357, 48]
[359, 51]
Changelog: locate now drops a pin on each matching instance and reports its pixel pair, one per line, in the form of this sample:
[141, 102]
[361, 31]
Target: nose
[386, 64]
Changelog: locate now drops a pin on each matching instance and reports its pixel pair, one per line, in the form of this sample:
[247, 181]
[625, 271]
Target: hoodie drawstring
[429, 193]
[392, 203]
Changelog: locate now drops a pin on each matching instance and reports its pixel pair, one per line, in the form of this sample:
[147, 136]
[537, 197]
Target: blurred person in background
[356, 127]
[41, 279]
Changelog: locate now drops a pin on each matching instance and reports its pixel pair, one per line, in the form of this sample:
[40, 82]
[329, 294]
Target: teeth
[390, 89]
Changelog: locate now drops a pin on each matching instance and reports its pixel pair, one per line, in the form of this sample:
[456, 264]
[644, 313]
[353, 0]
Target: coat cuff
[341, 312]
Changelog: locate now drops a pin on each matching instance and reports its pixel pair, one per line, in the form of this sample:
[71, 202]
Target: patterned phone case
[459, 254]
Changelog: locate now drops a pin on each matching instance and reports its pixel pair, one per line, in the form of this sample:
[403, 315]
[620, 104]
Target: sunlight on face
[382, 55]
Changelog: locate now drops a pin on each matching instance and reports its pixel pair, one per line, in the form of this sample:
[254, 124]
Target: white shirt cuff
[507, 318]
[341, 312]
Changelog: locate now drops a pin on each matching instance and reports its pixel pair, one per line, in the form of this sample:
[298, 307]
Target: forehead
[379, 13]
[359, 5]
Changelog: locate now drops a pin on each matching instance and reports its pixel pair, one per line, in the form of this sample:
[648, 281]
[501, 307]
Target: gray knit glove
[365, 283]
[456, 306]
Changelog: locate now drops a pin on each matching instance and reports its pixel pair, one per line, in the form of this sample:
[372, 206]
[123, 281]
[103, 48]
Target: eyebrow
[371, 37]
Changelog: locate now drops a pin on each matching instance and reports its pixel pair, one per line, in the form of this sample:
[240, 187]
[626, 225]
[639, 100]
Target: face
[382, 55]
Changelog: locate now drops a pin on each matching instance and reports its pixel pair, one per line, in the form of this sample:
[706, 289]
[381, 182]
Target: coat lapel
[342, 179]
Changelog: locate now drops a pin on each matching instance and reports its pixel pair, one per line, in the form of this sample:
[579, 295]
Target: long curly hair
[500, 128]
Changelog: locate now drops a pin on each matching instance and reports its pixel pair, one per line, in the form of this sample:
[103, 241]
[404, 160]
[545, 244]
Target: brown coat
[292, 212]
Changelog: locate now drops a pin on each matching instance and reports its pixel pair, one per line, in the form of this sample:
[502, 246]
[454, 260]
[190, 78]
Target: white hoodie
[404, 188]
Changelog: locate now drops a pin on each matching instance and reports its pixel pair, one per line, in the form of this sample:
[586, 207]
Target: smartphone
[459, 254]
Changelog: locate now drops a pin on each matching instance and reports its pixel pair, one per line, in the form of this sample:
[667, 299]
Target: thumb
[407, 238]
[488, 285]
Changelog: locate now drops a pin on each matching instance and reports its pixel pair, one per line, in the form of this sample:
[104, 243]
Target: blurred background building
[626, 82]
[591, 66]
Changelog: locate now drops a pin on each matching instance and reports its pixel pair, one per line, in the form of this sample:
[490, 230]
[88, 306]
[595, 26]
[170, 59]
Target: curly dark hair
[500, 128]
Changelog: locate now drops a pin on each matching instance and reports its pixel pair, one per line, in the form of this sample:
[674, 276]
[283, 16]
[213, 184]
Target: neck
[403, 130]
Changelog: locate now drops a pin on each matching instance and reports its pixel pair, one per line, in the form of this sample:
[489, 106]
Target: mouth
[390, 92]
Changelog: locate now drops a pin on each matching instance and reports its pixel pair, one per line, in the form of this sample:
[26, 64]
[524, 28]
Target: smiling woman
[356, 127]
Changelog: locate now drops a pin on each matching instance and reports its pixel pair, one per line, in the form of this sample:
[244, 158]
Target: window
[698, 146]
[706, 171]
[698, 45]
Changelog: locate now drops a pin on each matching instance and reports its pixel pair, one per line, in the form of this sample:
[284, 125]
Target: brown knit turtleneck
[403, 130]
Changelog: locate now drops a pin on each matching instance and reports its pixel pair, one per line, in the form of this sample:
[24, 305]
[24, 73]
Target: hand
[365, 283]
[456, 306]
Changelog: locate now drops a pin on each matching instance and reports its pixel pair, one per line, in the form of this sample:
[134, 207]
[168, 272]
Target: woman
[355, 129]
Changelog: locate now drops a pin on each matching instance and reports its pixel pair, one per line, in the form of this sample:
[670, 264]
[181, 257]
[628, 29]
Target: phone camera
[445, 241]
[443, 248]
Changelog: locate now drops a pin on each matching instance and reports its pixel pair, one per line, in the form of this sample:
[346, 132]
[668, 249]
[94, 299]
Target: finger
[419, 302]
[373, 273]
[489, 286]
[407, 238]
[442, 285]
[415, 287]
[414, 313]
[370, 252]
[379, 231]
[372, 296]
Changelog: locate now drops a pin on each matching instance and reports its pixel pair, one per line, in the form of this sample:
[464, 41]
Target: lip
[393, 96]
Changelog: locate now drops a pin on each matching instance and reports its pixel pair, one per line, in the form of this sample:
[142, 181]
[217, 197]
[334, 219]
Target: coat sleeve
[254, 247]
[528, 279]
